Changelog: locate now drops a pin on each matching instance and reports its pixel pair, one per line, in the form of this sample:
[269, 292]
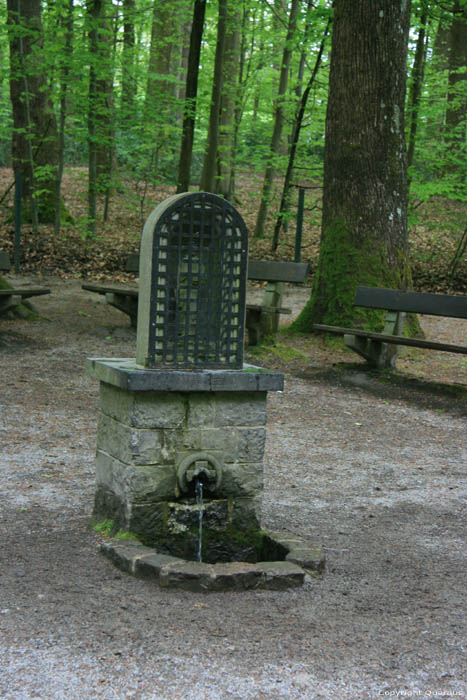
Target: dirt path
[373, 471]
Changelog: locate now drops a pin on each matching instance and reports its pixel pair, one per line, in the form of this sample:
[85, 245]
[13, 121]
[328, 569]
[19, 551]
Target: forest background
[107, 107]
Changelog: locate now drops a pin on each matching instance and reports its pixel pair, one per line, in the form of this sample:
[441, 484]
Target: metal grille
[197, 306]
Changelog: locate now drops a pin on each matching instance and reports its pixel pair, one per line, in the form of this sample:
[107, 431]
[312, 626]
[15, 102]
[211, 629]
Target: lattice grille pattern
[198, 285]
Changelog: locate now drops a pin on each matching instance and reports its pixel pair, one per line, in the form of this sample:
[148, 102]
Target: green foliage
[146, 132]
[126, 535]
[105, 527]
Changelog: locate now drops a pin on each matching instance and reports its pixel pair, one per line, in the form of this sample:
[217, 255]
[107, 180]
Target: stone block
[151, 409]
[136, 483]
[233, 381]
[149, 567]
[223, 441]
[236, 576]
[242, 479]
[188, 575]
[246, 513]
[201, 408]
[129, 445]
[148, 521]
[183, 516]
[244, 409]
[251, 443]
[281, 575]
[310, 558]
[124, 553]
[109, 506]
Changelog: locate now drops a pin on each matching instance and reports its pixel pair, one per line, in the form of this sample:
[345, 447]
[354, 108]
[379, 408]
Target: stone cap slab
[126, 374]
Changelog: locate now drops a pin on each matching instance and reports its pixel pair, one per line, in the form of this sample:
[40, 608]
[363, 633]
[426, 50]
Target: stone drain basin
[301, 560]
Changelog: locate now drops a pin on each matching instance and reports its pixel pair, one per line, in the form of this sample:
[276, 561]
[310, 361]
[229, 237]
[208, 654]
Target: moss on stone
[104, 527]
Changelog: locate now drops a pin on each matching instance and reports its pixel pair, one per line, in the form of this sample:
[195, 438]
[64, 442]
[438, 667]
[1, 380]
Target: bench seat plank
[110, 289]
[393, 339]
[24, 292]
[411, 302]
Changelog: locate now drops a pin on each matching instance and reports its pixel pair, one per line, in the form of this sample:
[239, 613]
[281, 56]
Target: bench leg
[253, 326]
[376, 353]
[9, 302]
[129, 305]
[272, 297]
[268, 322]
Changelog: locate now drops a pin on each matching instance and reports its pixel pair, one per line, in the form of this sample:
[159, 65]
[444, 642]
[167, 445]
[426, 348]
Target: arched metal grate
[198, 283]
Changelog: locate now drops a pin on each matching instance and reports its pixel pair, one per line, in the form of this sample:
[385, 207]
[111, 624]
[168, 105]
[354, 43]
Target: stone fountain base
[163, 431]
[300, 561]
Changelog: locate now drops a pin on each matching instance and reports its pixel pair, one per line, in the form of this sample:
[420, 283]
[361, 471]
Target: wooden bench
[380, 349]
[5, 265]
[122, 298]
[261, 319]
[14, 296]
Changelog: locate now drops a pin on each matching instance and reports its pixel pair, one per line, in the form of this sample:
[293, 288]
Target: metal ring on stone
[186, 463]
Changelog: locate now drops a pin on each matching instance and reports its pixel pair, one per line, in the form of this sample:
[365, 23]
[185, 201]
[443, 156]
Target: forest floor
[369, 466]
[437, 233]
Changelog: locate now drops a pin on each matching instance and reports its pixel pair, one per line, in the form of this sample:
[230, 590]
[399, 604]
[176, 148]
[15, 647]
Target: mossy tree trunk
[364, 223]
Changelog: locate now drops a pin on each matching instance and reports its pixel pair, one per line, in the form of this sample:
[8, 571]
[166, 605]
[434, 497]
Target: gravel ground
[370, 470]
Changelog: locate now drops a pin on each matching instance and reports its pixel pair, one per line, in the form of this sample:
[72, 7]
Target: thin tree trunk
[285, 199]
[67, 22]
[129, 83]
[191, 91]
[278, 123]
[416, 87]
[244, 72]
[210, 157]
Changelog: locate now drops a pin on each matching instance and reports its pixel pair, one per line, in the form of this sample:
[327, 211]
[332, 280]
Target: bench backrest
[4, 261]
[411, 302]
[263, 270]
[277, 271]
[132, 263]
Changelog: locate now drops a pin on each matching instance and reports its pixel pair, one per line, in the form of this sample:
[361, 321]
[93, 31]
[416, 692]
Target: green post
[17, 248]
[298, 231]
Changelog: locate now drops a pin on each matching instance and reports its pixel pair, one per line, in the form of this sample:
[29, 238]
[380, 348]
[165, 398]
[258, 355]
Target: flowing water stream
[199, 503]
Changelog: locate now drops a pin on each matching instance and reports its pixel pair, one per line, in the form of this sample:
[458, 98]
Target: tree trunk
[129, 85]
[456, 102]
[191, 90]
[67, 23]
[209, 164]
[364, 224]
[297, 127]
[279, 118]
[101, 136]
[35, 139]
[416, 85]
[224, 183]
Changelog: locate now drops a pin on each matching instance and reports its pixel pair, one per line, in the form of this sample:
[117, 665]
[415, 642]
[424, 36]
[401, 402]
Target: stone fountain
[181, 434]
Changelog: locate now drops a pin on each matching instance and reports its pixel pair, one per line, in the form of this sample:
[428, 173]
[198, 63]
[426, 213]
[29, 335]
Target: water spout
[199, 503]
